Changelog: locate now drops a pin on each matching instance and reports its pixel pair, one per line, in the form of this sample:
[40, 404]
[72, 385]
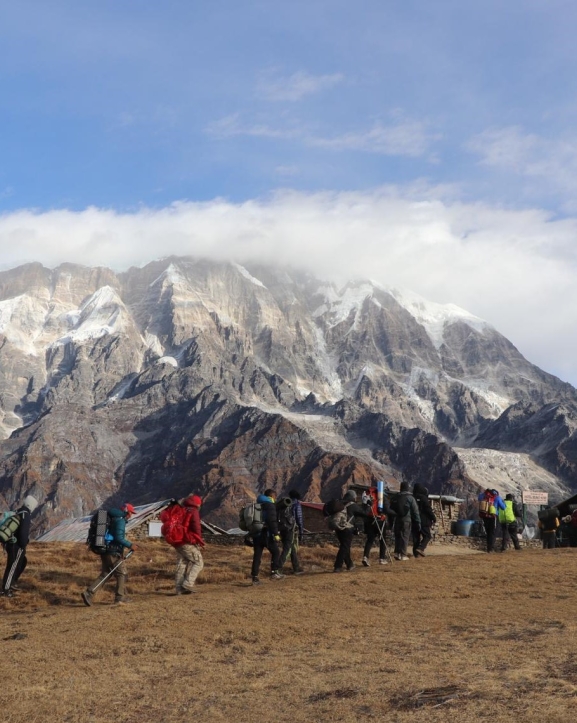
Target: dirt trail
[467, 637]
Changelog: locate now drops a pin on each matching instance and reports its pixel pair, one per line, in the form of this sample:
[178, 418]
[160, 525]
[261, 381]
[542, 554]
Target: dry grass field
[453, 637]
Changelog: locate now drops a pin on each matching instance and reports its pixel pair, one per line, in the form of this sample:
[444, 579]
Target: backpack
[99, 537]
[175, 520]
[487, 506]
[332, 507]
[285, 517]
[251, 519]
[9, 523]
[339, 520]
[401, 505]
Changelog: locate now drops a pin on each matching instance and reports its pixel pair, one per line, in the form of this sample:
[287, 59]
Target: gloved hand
[277, 538]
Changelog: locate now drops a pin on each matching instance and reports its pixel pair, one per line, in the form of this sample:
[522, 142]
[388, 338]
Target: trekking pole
[104, 579]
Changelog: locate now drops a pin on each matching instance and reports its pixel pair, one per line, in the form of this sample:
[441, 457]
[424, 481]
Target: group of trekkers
[508, 513]
[276, 525]
[281, 528]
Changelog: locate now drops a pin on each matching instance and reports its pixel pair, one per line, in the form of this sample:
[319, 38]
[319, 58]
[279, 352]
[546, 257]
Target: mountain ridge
[212, 361]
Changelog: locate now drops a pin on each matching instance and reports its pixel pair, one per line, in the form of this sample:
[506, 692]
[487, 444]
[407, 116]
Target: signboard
[533, 497]
[154, 529]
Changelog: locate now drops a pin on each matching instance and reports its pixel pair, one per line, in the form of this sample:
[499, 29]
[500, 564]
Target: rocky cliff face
[189, 374]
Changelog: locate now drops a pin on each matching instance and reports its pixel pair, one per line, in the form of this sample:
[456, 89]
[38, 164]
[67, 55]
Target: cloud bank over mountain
[516, 268]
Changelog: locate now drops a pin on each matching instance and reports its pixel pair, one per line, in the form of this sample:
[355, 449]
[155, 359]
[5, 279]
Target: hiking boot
[383, 561]
[366, 562]
[87, 598]
[351, 568]
[8, 593]
[402, 558]
[255, 581]
[184, 591]
[338, 569]
[299, 572]
[123, 601]
[276, 575]
[419, 553]
[397, 556]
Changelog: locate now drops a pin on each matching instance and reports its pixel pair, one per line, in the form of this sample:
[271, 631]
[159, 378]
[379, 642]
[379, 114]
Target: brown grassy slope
[466, 637]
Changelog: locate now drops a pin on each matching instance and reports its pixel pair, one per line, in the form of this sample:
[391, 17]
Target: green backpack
[9, 523]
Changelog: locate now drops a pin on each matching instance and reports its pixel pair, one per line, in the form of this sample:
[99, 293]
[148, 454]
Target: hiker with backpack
[17, 536]
[341, 519]
[374, 525]
[490, 502]
[422, 535]
[267, 538]
[407, 518]
[291, 529]
[508, 522]
[548, 522]
[112, 555]
[181, 528]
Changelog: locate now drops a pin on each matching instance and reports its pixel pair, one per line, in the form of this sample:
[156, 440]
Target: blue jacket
[117, 529]
[298, 515]
[498, 502]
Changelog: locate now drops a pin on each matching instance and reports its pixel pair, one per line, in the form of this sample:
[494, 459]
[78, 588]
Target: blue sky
[424, 144]
[117, 104]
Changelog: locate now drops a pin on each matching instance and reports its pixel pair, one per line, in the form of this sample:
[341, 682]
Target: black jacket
[426, 513]
[22, 534]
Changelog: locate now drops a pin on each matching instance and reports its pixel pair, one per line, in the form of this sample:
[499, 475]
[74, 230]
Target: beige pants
[189, 564]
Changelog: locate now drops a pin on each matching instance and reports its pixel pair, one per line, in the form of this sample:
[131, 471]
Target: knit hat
[30, 502]
[404, 486]
[350, 495]
[192, 501]
[128, 508]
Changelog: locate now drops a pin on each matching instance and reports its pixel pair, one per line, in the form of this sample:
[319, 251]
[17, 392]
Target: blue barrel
[463, 528]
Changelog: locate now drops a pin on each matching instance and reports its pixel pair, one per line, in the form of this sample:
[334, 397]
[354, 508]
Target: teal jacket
[117, 528]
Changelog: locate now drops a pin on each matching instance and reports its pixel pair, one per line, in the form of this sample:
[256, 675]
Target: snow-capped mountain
[228, 378]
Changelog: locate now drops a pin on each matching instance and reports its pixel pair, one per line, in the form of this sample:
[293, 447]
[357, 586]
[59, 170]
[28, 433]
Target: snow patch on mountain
[338, 306]
[172, 275]
[102, 313]
[243, 272]
[434, 317]
[22, 319]
[327, 365]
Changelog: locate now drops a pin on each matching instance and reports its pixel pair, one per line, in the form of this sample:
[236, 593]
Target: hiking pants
[290, 547]
[108, 563]
[402, 534]
[509, 529]
[549, 539]
[189, 564]
[490, 525]
[421, 539]
[262, 542]
[15, 564]
[345, 538]
[373, 534]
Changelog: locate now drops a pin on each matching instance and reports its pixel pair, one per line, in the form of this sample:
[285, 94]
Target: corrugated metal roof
[76, 530]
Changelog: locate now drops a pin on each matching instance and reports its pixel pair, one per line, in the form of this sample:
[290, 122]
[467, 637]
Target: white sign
[533, 497]
[154, 529]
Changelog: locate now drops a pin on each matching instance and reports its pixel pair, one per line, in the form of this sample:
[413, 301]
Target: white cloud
[550, 163]
[516, 269]
[406, 138]
[403, 137]
[296, 86]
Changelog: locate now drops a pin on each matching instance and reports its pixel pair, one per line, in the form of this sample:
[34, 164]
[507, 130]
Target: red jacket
[193, 528]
